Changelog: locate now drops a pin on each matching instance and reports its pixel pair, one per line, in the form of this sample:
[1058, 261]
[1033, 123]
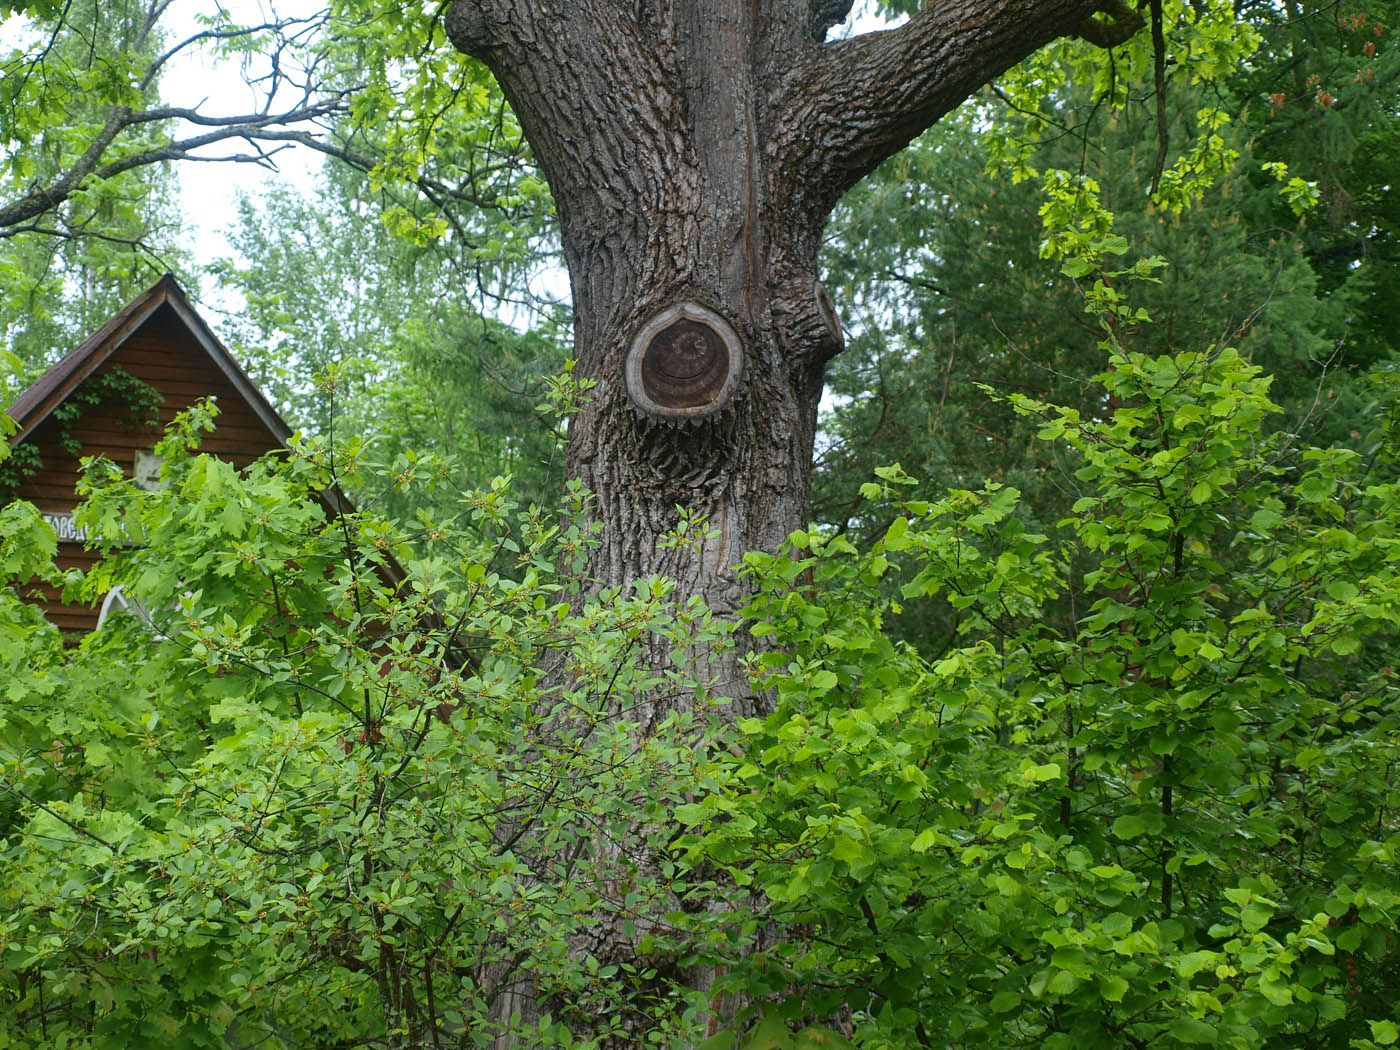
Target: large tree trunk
[695, 149]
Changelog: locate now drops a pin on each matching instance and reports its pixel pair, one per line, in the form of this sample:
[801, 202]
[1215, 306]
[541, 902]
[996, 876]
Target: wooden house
[100, 400]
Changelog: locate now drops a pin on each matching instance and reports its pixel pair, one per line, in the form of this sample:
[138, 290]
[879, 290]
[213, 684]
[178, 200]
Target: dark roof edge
[38, 402]
[225, 362]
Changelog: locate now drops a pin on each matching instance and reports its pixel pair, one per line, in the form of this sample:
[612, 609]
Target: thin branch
[230, 33]
[101, 159]
[1159, 83]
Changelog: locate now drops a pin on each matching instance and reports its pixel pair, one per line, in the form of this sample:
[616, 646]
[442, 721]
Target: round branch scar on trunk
[684, 365]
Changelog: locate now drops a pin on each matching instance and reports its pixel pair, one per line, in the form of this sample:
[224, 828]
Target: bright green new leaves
[436, 124]
[1143, 794]
[1203, 42]
[353, 331]
[303, 794]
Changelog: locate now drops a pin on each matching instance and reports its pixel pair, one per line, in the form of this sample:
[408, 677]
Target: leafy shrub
[317, 790]
[1166, 819]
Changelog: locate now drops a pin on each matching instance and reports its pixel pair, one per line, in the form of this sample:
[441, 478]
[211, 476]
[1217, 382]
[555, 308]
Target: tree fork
[695, 149]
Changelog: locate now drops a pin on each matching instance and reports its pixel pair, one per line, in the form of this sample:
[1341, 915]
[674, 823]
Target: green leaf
[1341, 590]
[692, 813]
[771, 1033]
[1076, 267]
[895, 536]
[1113, 988]
[1191, 1030]
[1062, 983]
[926, 840]
[1006, 1001]
[821, 1039]
[1129, 826]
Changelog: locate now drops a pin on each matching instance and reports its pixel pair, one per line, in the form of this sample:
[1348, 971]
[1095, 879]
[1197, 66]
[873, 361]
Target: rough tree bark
[695, 149]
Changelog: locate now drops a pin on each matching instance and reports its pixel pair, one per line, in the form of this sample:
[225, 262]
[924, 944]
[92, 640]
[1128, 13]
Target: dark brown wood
[685, 365]
[161, 340]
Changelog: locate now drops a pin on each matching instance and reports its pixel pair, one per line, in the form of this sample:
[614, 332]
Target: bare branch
[291, 97]
[209, 36]
[250, 128]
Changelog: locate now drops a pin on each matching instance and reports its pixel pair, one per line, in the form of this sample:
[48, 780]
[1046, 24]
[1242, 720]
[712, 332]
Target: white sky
[219, 85]
[216, 85]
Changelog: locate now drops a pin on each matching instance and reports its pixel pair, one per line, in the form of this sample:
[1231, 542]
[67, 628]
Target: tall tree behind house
[69, 269]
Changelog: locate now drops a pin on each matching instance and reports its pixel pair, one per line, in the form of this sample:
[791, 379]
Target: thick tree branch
[849, 105]
[1124, 22]
[586, 80]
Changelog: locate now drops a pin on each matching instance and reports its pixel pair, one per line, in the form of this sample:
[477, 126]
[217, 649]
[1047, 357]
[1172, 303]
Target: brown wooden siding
[163, 353]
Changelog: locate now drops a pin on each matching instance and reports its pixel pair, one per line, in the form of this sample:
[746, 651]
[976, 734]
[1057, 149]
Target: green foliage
[115, 384]
[301, 793]
[334, 780]
[353, 330]
[1203, 42]
[1321, 96]
[63, 273]
[949, 280]
[424, 111]
[1171, 822]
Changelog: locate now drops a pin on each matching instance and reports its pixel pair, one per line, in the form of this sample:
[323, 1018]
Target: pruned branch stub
[684, 364]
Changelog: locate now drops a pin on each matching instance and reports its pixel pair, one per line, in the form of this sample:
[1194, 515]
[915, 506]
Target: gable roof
[162, 302]
[37, 403]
